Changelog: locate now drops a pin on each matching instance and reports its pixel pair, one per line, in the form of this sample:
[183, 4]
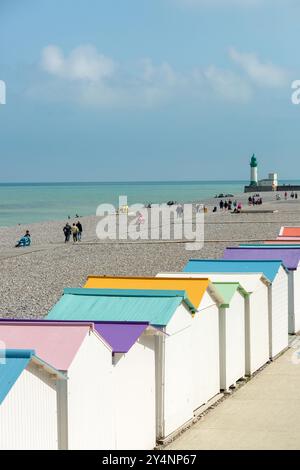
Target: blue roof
[123, 305]
[12, 364]
[268, 267]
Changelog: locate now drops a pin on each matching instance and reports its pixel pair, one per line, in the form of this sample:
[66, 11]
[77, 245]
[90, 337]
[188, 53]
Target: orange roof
[290, 232]
[194, 288]
[283, 241]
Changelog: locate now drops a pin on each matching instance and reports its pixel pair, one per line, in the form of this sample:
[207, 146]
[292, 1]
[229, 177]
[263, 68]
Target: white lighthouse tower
[253, 176]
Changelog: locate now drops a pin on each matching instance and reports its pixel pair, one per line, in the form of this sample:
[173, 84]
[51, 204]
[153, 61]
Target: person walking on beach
[79, 234]
[67, 232]
[225, 205]
[221, 204]
[75, 233]
[285, 195]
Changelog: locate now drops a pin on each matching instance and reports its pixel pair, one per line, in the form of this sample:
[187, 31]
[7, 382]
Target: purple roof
[289, 257]
[120, 336]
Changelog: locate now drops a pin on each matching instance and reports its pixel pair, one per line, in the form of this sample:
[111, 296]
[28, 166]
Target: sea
[25, 203]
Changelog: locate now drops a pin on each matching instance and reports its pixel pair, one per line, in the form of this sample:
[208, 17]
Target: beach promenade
[262, 414]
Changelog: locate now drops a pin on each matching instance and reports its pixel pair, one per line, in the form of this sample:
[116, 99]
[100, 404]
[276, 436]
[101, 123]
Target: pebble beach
[33, 278]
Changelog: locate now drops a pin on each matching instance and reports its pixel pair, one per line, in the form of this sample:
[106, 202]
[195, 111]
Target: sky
[136, 90]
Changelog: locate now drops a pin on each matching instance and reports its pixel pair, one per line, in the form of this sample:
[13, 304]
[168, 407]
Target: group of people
[75, 230]
[227, 205]
[232, 206]
[292, 195]
[254, 200]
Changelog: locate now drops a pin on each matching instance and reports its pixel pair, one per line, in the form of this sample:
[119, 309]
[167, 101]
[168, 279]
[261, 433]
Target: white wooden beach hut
[85, 359]
[31, 417]
[177, 394]
[111, 378]
[231, 311]
[205, 327]
[282, 268]
[256, 309]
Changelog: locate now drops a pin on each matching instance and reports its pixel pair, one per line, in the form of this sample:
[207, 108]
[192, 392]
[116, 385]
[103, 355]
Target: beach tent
[172, 312]
[293, 232]
[290, 258]
[231, 329]
[205, 328]
[30, 397]
[99, 360]
[256, 303]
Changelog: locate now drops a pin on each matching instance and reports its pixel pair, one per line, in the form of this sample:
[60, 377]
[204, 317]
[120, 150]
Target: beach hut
[290, 258]
[85, 359]
[31, 395]
[231, 329]
[99, 360]
[256, 303]
[179, 387]
[205, 327]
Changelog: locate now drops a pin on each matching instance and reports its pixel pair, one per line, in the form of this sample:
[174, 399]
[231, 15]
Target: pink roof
[55, 343]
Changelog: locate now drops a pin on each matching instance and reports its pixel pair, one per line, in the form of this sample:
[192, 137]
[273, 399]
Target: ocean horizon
[25, 203]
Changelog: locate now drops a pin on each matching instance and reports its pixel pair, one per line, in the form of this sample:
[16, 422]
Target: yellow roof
[194, 288]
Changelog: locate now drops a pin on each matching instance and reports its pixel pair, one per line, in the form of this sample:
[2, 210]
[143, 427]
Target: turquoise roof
[12, 364]
[267, 267]
[154, 306]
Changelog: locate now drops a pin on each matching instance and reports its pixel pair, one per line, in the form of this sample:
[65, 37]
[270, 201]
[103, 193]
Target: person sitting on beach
[75, 233]
[215, 209]
[25, 240]
[79, 234]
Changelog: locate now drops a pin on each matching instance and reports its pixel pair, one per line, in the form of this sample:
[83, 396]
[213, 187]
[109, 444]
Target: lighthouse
[253, 166]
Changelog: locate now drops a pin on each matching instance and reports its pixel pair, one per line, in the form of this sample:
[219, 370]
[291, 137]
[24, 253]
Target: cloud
[261, 73]
[83, 63]
[228, 84]
[89, 78]
[225, 3]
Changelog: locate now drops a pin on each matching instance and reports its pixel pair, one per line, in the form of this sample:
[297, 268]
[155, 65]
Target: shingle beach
[33, 278]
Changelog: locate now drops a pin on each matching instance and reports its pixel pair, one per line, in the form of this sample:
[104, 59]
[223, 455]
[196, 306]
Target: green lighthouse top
[253, 162]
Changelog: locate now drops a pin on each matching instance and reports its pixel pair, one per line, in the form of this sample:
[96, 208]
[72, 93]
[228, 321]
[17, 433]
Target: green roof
[227, 291]
[154, 306]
